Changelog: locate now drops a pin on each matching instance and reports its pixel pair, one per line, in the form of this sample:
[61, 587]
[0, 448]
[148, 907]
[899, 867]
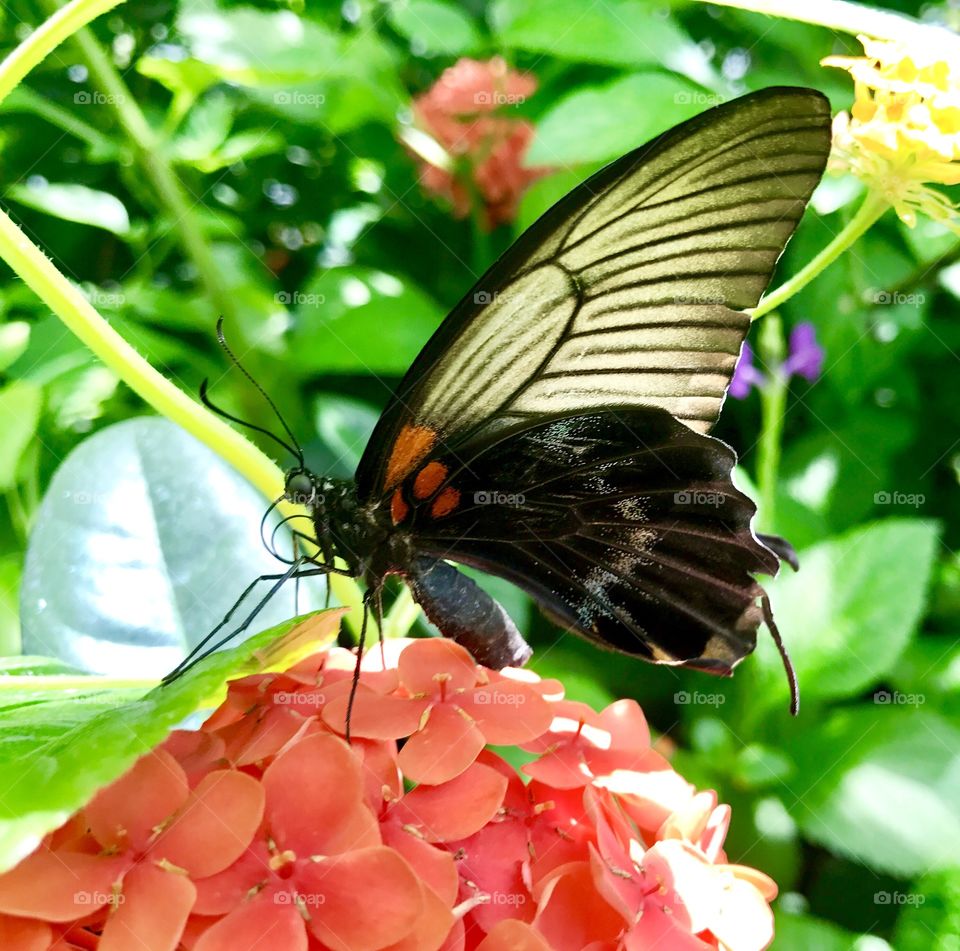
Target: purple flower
[806, 355]
[805, 358]
[745, 374]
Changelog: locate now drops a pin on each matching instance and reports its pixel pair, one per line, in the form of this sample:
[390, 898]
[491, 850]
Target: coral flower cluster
[903, 130]
[266, 829]
[468, 112]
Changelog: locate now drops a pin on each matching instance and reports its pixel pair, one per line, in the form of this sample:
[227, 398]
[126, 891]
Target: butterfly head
[302, 487]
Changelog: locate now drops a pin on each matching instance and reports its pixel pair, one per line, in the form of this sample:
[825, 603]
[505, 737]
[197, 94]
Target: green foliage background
[332, 267]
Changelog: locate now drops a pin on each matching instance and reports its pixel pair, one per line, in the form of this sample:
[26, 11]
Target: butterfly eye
[299, 487]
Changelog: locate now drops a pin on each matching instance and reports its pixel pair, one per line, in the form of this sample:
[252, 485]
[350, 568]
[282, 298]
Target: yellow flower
[903, 131]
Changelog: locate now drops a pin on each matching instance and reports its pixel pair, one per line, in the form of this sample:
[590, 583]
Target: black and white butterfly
[553, 431]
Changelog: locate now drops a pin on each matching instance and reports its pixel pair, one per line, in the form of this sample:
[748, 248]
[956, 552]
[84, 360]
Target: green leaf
[627, 33]
[355, 319]
[20, 404]
[64, 740]
[600, 123]
[434, 28]
[142, 514]
[879, 784]
[344, 427]
[543, 194]
[848, 614]
[10, 568]
[86, 206]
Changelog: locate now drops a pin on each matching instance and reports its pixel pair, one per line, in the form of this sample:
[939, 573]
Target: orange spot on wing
[399, 509]
[429, 479]
[413, 443]
[445, 502]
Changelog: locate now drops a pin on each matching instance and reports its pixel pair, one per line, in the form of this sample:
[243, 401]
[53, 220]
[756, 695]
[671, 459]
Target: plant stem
[773, 402]
[867, 214]
[401, 616]
[847, 17]
[47, 37]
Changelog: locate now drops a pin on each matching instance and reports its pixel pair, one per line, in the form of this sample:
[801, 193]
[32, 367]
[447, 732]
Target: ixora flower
[805, 358]
[265, 829]
[903, 131]
[467, 112]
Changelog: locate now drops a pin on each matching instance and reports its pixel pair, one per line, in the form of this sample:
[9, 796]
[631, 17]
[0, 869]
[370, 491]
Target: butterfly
[554, 431]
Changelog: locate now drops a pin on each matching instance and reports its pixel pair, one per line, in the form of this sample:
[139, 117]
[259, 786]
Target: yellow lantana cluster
[903, 131]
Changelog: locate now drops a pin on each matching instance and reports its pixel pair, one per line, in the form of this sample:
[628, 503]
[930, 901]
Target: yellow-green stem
[847, 17]
[867, 214]
[773, 404]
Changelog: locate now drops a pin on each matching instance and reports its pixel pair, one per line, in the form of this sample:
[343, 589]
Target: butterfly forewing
[629, 292]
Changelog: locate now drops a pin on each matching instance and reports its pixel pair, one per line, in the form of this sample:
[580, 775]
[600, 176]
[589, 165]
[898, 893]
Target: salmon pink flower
[449, 708]
[318, 864]
[467, 112]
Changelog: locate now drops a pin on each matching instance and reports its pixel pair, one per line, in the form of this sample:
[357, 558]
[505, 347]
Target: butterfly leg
[369, 596]
[201, 650]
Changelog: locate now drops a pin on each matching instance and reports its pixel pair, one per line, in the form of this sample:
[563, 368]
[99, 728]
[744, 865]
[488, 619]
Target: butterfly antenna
[297, 451]
[784, 655]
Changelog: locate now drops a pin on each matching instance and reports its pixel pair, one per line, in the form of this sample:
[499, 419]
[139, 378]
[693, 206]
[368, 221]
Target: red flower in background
[266, 829]
[467, 112]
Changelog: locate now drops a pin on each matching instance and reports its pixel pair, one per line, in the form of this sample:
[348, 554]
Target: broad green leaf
[434, 27]
[10, 568]
[881, 784]
[86, 206]
[355, 319]
[803, 933]
[143, 542]
[849, 611]
[600, 123]
[627, 33]
[20, 404]
[543, 194]
[181, 76]
[62, 740]
[203, 130]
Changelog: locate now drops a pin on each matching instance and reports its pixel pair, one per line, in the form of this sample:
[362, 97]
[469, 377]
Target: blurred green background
[302, 220]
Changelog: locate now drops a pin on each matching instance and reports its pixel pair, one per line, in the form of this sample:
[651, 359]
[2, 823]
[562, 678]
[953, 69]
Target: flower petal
[151, 913]
[448, 743]
[315, 799]
[432, 664]
[431, 927]
[60, 886]
[221, 893]
[507, 712]
[349, 887]
[571, 913]
[197, 752]
[513, 935]
[125, 813]
[455, 809]
[744, 921]
[374, 716]
[261, 924]
[215, 825]
[433, 866]
[22, 934]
